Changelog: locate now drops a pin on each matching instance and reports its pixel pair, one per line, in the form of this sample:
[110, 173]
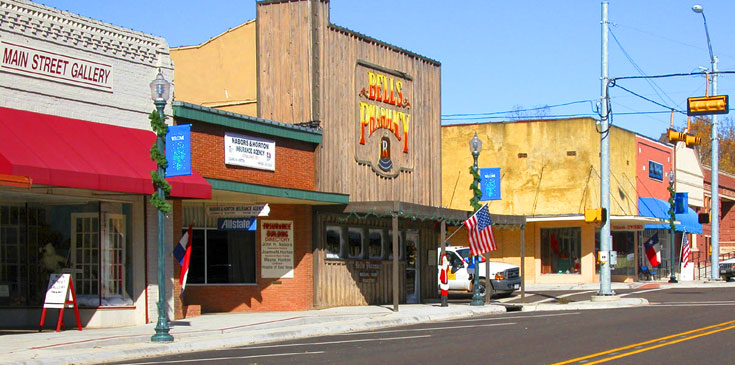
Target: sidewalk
[213, 331]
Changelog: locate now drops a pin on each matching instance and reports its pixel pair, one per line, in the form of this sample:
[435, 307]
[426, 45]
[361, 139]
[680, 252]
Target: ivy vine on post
[160, 128]
[476, 192]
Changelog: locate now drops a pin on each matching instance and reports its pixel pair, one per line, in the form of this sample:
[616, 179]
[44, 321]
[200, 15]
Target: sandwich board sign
[60, 294]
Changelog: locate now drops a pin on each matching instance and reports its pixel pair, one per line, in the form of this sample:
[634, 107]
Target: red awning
[66, 152]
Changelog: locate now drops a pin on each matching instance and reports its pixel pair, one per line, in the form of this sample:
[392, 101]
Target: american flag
[481, 232]
[684, 249]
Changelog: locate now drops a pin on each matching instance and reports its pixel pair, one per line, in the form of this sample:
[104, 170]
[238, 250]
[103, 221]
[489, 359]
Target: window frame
[659, 170]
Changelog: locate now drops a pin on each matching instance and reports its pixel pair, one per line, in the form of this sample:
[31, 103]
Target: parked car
[504, 278]
[727, 269]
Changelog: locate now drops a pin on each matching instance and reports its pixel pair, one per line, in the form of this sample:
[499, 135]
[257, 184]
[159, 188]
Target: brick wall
[294, 159]
[285, 294]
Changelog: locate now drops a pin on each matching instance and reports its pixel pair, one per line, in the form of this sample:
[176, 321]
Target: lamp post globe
[160, 90]
[697, 9]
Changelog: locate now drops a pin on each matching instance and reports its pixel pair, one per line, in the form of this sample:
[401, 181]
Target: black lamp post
[160, 89]
[475, 149]
[672, 225]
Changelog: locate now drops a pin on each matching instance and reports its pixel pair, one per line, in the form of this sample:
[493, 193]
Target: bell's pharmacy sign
[384, 112]
[52, 66]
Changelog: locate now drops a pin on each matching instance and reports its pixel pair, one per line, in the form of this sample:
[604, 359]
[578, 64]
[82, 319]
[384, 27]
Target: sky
[498, 57]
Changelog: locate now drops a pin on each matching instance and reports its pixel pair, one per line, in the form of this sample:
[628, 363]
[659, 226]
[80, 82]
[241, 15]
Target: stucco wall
[546, 167]
[220, 73]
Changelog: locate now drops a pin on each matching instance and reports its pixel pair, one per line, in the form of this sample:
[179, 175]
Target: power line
[653, 85]
[517, 110]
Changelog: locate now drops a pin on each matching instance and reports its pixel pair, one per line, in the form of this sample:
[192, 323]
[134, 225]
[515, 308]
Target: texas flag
[654, 257]
[182, 253]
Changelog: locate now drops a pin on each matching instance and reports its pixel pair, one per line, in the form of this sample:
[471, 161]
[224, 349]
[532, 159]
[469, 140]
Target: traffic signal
[689, 139]
[692, 140]
[704, 218]
[706, 105]
[597, 215]
[675, 136]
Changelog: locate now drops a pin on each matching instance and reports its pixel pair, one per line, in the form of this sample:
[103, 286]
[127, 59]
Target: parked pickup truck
[504, 278]
[727, 269]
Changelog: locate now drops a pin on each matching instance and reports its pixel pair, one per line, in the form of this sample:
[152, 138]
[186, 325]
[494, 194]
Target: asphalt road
[681, 326]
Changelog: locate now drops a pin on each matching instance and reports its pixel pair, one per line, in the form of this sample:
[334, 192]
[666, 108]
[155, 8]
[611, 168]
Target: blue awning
[657, 208]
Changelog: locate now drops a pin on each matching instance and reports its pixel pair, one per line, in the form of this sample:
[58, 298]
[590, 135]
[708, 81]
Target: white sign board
[52, 66]
[257, 153]
[57, 292]
[276, 249]
[233, 211]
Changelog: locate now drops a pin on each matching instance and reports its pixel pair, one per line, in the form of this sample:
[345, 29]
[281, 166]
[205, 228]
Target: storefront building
[74, 166]
[549, 172]
[377, 108]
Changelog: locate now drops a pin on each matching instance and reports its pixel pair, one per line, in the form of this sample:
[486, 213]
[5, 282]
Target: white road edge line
[323, 343]
[227, 358]
[641, 291]
[428, 329]
[562, 296]
[513, 317]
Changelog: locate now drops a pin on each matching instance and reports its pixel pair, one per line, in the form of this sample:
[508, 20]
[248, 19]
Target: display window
[219, 256]
[375, 244]
[355, 242]
[623, 243]
[561, 250]
[89, 240]
[334, 242]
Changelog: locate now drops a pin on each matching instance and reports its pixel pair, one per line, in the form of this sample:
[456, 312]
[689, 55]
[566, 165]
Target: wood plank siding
[289, 81]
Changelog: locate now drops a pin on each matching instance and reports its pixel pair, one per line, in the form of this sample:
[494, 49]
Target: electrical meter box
[613, 258]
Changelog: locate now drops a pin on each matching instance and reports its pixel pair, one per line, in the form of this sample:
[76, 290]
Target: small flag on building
[654, 257]
[684, 249]
[481, 232]
[182, 253]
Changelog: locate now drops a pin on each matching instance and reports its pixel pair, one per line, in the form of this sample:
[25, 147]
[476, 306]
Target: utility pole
[715, 212]
[604, 164]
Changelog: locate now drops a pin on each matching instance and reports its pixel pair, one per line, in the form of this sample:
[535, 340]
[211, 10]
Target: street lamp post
[715, 240]
[160, 89]
[475, 149]
[672, 225]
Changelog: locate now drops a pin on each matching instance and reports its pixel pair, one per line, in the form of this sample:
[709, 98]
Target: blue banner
[237, 224]
[178, 150]
[681, 203]
[490, 183]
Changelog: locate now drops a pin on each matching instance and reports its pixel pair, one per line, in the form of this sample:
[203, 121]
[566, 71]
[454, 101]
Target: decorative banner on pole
[178, 150]
[681, 203]
[276, 249]
[490, 183]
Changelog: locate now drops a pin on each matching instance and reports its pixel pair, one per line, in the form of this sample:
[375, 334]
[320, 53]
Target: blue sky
[498, 56]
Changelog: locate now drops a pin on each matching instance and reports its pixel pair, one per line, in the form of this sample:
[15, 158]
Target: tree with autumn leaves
[702, 128]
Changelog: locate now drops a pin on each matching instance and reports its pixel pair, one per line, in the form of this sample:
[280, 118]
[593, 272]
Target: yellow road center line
[661, 345]
[645, 343]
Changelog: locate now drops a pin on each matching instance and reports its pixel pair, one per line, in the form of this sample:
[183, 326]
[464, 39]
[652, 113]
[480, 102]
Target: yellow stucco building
[550, 173]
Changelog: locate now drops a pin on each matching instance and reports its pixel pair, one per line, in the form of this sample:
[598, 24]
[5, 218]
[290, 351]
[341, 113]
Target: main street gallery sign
[383, 119]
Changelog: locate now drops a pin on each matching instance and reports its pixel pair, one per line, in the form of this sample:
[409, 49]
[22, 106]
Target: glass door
[412, 267]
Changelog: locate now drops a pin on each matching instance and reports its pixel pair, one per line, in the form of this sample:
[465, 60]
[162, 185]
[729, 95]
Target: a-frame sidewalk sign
[60, 294]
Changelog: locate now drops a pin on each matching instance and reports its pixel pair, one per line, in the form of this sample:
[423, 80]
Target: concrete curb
[585, 305]
[98, 352]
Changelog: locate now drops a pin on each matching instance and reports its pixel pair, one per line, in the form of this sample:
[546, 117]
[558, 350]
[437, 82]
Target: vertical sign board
[178, 150]
[681, 203]
[490, 183]
[276, 249]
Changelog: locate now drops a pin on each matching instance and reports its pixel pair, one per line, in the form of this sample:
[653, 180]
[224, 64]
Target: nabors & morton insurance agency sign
[52, 66]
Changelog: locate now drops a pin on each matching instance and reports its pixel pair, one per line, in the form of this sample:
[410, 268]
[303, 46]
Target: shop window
[222, 257]
[354, 243]
[561, 250]
[389, 245]
[334, 242]
[375, 244]
[623, 243]
[655, 170]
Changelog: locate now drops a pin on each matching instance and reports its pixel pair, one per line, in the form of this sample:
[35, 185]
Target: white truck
[504, 278]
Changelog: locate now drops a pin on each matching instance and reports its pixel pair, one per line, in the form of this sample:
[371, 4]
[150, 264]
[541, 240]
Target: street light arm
[709, 43]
